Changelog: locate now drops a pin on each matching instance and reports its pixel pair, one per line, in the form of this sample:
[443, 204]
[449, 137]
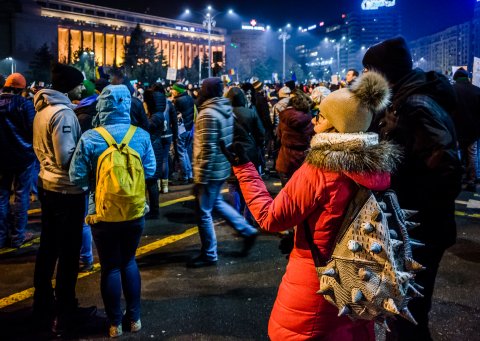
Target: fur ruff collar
[355, 152]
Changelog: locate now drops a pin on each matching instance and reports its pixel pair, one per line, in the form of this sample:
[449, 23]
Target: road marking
[28, 293]
[464, 214]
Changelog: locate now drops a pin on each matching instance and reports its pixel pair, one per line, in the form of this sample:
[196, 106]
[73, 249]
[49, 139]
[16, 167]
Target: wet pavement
[230, 301]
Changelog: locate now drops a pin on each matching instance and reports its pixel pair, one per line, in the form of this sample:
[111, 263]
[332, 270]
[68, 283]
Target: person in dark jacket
[185, 107]
[138, 116]
[294, 133]
[16, 152]
[163, 130]
[263, 111]
[249, 132]
[467, 124]
[429, 178]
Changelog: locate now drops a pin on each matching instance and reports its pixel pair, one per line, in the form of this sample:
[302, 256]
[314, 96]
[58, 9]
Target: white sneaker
[115, 331]
[165, 186]
[135, 326]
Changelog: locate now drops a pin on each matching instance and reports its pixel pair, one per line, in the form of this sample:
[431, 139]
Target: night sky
[420, 17]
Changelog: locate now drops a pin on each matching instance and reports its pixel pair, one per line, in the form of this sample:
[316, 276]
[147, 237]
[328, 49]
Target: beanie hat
[179, 87]
[460, 73]
[211, 88]
[257, 85]
[65, 78]
[290, 84]
[89, 88]
[351, 110]
[391, 57]
[16, 80]
[284, 92]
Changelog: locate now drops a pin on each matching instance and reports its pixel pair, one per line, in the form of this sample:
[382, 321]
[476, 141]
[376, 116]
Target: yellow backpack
[120, 181]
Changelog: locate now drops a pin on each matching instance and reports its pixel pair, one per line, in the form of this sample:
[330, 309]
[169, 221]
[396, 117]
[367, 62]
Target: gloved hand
[235, 154]
[286, 243]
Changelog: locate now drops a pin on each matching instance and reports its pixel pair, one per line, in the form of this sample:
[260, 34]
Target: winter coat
[16, 132]
[263, 110]
[56, 132]
[280, 106]
[318, 193]
[248, 128]
[86, 111]
[428, 178]
[466, 116]
[214, 124]
[114, 116]
[184, 105]
[138, 116]
[294, 132]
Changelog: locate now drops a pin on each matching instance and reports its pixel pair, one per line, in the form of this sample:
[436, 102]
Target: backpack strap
[317, 257]
[128, 136]
[106, 136]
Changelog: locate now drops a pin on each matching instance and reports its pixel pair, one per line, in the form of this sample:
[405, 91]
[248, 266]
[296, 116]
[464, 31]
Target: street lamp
[284, 36]
[13, 64]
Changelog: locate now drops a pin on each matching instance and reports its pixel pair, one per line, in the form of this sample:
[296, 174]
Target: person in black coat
[467, 123]
[429, 178]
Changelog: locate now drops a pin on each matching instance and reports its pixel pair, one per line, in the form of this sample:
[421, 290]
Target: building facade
[68, 26]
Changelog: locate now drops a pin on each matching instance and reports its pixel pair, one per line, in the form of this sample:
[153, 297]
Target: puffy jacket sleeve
[148, 160]
[290, 207]
[206, 139]
[81, 165]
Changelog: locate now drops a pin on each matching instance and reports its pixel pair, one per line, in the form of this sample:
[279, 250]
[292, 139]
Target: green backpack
[120, 181]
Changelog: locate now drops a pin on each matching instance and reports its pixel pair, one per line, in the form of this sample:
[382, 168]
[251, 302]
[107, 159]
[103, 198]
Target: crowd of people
[319, 140]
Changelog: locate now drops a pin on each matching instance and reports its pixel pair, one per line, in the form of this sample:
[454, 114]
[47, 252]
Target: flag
[294, 77]
[231, 72]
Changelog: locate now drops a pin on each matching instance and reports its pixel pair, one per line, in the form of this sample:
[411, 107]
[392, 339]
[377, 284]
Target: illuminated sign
[253, 22]
[376, 4]
[253, 25]
[312, 27]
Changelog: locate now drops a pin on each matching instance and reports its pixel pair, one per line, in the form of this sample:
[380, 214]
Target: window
[100, 14]
[78, 10]
[54, 6]
[66, 8]
[89, 11]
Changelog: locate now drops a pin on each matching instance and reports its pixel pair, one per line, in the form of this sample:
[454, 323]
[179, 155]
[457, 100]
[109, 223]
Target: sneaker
[85, 267]
[115, 331]
[63, 323]
[29, 236]
[164, 186]
[135, 326]
[200, 261]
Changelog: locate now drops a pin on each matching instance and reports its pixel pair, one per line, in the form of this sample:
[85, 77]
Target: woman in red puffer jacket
[318, 193]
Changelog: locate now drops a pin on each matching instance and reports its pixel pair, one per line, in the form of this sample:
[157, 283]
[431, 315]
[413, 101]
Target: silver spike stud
[396, 243]
[382, 205]
[390, 306]
[385, 325]
[411, 225]
[404, 276]
[357, 295]
[376, 248]
[354, 246]
[325, 288]
[344, 311]
[418, 286]
[413, 265]
[364, 274]
[367, 227]
[414, 291]
[409, 213]
[330, 272]
[416, 243]
[379, 216]
[408, 315]
[393, 234]
[388, 215]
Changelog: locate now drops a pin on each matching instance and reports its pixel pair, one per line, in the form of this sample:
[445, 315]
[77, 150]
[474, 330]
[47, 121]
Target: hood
[220, 104]
[432, 84]
[113, 106]
[156, 101]
[295, 119]
[359, 156]
[47, 97]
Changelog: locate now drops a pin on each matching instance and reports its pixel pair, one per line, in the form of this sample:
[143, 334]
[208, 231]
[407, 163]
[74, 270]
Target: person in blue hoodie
[116, 241]
[16, 153]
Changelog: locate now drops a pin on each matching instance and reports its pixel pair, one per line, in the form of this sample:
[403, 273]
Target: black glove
[286, 243]
[235, 154]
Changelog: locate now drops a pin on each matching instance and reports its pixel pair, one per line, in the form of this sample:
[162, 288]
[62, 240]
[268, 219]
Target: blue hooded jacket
[113, 109]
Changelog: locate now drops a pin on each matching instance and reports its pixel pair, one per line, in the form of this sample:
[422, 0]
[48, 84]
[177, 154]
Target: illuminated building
[67, 26]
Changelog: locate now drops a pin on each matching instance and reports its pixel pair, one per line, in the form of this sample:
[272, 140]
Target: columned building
[67, 26]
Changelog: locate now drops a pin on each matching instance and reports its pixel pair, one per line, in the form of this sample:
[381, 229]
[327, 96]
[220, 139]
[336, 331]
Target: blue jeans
[164, 152]
[184, 145]
[14, 221]
[86, 255]
[116, 245]
[207, 199]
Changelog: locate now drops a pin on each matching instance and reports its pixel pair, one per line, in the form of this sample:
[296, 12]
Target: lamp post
[284, 36]
[13, 64]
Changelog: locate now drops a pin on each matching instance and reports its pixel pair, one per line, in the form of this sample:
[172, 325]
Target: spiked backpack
[370, 273]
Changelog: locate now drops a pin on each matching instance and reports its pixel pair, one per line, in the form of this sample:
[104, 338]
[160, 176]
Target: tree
[134, 50]
[39, 69]
[84, 60]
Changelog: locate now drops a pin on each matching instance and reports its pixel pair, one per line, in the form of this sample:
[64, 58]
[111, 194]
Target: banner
[171, 74]
[476, 72]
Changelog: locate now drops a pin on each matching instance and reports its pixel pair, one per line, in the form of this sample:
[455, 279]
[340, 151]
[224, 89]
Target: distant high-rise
[476, 30]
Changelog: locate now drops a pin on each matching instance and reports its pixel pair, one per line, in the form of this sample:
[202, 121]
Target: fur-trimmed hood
[352, 153]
